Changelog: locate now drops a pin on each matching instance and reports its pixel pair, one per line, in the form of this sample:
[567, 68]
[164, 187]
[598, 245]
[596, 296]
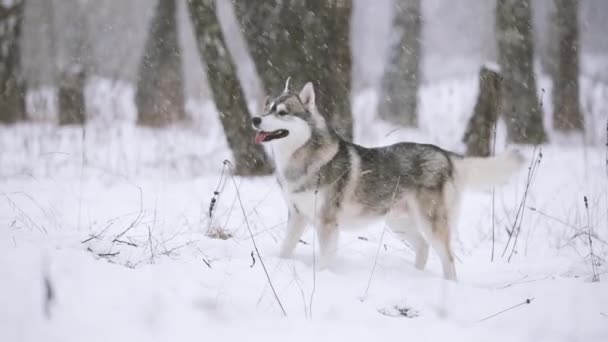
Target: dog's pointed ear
[307, 95]
[266, 103]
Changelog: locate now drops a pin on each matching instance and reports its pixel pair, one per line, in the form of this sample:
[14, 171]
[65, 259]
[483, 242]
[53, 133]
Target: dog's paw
[324, 262]
[284, 253]
[516, 156]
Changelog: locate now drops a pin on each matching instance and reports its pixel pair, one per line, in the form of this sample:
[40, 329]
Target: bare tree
[160, 86]
[478, 135]
[399, 96]
[227, 93]
[520, 105]
[68, 19]
[11, 87]
[567, 114]
[548, 48]
[71, 97]
[311, 45]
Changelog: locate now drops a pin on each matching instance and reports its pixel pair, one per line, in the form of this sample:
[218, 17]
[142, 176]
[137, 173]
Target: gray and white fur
[333, 184]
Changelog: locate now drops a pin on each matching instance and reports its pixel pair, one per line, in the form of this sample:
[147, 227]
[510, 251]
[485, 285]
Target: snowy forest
[135, 205]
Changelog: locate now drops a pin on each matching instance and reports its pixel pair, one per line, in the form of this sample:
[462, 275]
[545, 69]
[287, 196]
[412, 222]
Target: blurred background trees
[227, 93]
[160, 64]
[307, 41]
[399, 92]
[520, 104]
[567, 115]
[160, 96]
[12, 93]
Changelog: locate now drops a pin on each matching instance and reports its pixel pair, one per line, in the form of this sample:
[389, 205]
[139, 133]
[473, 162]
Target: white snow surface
[118, 235]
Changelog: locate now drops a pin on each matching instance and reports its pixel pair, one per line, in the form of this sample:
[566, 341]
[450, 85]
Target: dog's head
[289, 119]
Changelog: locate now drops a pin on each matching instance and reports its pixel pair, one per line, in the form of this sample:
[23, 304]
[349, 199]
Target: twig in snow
[252, 260]
[522, 281]
[49, 296]
[578, 231]
[519, 216]
[255, 246]
[494, 188]
[48, 289]
[27, 217]
[216, 195]
[314, 254]
[105, 255]
[151, 248]
[80, 181]
[296, 279]
[371, 274]
[527, 301]
[595, 276]
[136, 220]
[96, 236]
[128, 243]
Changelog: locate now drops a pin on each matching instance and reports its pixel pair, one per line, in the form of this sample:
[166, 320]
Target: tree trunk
[160, 86]
[520, 105]
[12, 99]
[548, 49]
[228, 96]
[71, 98]
[478, 135]
[312, 45]
[336, 23]
[567, 114]
[399, 101]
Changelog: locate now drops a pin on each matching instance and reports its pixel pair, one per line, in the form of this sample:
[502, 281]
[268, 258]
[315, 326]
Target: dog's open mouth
[262, 136]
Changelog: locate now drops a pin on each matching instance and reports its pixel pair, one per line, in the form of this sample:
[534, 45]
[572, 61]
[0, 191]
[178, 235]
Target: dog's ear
[307, 95]
[266, 103]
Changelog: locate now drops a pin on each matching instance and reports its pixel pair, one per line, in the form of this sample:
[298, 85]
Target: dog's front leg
[295, 227]
[328, 234]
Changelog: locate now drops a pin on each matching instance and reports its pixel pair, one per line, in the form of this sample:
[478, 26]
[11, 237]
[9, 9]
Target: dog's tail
[478, 173]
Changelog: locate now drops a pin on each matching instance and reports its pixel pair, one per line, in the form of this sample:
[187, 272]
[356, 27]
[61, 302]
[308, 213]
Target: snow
[63, 220]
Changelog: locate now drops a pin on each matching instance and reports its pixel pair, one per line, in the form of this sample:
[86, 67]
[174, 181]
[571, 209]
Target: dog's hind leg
[434, 223]
[441, 243]
[295, 228]
[406, 230]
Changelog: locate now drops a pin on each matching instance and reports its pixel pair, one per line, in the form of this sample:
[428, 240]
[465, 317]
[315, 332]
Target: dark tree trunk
[336, 22]
[399, 101]
[160, 86]
[227, 93]
[312, 45]
[478, 135]
[12, 99]
[548, 51]
[520, 105]
[71, 98]
[567, 114]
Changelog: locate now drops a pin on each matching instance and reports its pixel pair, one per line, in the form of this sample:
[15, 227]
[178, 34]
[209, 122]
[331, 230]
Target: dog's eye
[282, 112]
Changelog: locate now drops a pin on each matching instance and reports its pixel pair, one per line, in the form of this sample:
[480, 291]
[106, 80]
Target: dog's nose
[256, 121]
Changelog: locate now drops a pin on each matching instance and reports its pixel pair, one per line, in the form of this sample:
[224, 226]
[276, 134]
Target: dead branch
[136, 220]
[527, 301]
[255, 246]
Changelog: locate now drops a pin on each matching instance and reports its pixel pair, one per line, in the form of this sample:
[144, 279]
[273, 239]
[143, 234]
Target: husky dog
[333, 184]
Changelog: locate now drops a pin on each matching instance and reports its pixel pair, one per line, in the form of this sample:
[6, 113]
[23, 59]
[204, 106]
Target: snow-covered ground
[114, 249]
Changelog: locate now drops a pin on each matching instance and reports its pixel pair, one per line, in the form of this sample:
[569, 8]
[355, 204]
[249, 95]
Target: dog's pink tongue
[260, 136]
